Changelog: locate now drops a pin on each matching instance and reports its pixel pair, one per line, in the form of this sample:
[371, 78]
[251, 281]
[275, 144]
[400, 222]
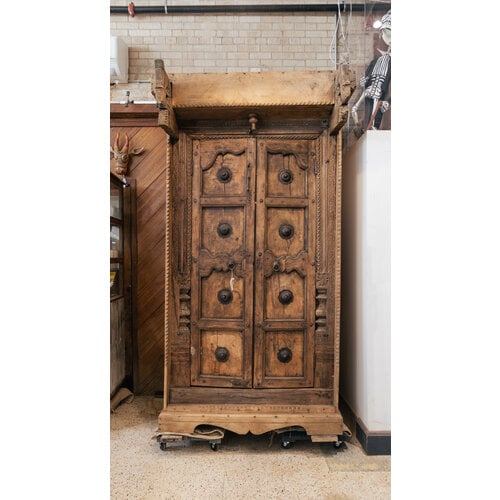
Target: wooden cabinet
[252, 287]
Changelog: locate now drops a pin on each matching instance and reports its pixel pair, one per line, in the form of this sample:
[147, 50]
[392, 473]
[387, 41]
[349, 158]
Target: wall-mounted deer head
[122, 155]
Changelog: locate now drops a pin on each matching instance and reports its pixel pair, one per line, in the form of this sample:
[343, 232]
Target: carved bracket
[285, 264]
[161, 88]
[222, 262]
[344, 85]
[301, 158]
[215, 155]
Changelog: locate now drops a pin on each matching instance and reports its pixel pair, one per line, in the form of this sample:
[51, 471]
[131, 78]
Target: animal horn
[125, 146]
[116, 147]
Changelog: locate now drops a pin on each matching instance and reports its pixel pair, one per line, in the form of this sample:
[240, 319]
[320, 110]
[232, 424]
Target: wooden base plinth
[322, 423]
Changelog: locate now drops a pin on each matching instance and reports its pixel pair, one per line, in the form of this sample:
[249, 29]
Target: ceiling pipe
[236, 9]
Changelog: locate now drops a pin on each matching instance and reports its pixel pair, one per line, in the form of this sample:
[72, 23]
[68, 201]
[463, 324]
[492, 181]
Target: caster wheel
[214, 446]
[163, 446]
[286, 445]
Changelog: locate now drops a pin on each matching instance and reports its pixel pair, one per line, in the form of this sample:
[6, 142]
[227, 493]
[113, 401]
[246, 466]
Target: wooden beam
[286, 88]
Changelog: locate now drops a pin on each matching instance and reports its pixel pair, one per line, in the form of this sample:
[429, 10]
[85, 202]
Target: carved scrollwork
[222, 262]
[217, 157]
[300, 158]
[285, 264]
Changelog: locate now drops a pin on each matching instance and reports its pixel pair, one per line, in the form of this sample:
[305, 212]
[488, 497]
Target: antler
[117, 143]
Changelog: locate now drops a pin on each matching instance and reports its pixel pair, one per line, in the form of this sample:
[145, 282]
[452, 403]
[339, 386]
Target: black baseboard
[374, 443]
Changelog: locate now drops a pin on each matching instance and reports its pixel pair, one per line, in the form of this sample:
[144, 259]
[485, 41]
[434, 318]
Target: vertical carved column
[337, 266]
[168, 269]
[322, 340]
[161, 89]
[318, 167]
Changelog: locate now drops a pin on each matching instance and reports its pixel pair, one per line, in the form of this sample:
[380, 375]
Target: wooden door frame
[190, 99]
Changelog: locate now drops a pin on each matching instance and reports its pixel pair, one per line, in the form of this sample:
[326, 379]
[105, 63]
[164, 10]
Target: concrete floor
[244, 467]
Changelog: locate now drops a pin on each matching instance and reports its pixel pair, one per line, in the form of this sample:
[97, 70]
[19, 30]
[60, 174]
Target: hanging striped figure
[375, 83]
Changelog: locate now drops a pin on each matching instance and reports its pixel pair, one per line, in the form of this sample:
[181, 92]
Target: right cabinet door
[285, 232]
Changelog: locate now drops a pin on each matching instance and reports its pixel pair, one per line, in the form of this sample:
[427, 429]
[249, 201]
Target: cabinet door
[222, 271]
[253, 326]
[285, 271]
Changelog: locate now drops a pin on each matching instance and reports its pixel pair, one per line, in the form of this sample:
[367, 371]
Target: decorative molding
[238, 104]
[257, 135]
[168, 271]
[318, 198]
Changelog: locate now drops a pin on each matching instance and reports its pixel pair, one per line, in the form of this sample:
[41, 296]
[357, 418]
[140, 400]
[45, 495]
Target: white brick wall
[200, 43]
[236, 42]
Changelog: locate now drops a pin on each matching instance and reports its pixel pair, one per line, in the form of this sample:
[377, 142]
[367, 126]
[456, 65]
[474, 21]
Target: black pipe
[237, 9]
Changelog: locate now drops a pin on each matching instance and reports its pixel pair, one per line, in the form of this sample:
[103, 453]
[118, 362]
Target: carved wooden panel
[222, 353]
[284, 354]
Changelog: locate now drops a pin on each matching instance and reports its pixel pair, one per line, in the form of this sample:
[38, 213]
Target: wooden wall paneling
[151, 200]
[148, 349]
[148, 171]
[150, 167]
